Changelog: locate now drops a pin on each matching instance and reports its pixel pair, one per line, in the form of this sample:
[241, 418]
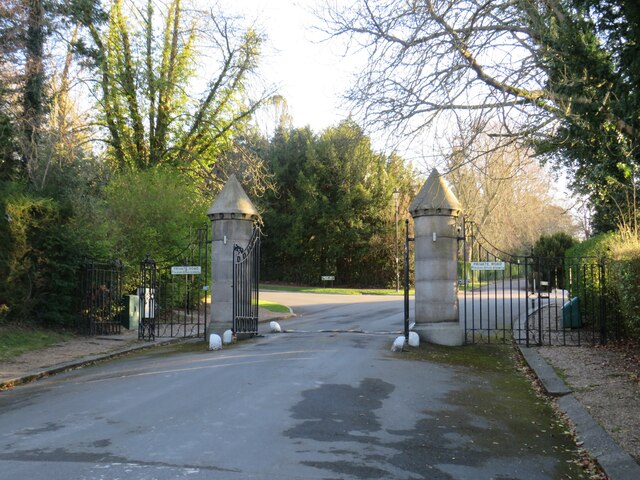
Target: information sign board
[186, 270]
[487, 266]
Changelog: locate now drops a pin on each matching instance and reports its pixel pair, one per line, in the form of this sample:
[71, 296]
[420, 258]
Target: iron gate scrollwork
[246, 275]
[101, 300]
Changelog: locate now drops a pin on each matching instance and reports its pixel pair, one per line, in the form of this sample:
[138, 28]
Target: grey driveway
[300, 405]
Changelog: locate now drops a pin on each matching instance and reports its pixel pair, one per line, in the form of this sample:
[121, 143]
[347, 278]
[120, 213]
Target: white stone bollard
[414, 339]
[227, 337]
[398, 344]
[215, 342]
[275, 327]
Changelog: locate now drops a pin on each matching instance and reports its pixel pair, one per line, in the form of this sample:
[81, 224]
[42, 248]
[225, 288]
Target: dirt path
[606, 381]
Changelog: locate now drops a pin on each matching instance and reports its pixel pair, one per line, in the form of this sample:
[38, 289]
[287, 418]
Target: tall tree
[560, 73]
[33, 100]
[503, 190]
[147, 80]
[13, 16]
[333, 210]
[592, 58]
[29, 46]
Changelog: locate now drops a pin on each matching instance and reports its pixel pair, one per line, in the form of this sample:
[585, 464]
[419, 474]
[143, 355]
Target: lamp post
[396, 196]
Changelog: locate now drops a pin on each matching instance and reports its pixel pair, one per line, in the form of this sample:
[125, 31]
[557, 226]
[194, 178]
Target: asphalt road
[316, 403]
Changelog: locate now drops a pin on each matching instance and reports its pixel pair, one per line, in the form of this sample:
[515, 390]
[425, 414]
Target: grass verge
[17, 340]
[333, 290]
[273, 307]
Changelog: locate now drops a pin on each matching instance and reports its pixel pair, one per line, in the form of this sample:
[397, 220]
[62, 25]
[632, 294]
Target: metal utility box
[571, 317]
[131, 313]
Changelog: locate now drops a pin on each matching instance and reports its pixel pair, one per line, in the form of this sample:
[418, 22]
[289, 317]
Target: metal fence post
[406, 280]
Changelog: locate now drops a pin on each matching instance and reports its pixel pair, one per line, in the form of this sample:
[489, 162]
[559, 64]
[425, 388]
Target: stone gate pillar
[435, 212]
[232, 217]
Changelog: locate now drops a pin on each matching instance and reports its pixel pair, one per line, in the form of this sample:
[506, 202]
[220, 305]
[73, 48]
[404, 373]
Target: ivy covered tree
[41, 249]
[148, 73]
[172, 104]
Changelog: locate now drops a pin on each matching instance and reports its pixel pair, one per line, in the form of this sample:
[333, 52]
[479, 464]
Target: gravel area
[606, 381]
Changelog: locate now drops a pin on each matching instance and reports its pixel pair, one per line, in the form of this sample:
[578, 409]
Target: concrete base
[218, 327]
[450, 334]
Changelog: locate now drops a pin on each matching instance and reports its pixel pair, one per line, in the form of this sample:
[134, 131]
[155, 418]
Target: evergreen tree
[332, 212]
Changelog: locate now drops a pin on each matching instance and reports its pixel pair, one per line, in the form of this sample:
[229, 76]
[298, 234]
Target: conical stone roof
[435, 198]
[232, 202]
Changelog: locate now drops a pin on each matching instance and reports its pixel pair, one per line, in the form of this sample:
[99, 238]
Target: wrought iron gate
[534, 300]
[174, 295]
[246, 275]
[101, 297]
[407, 254]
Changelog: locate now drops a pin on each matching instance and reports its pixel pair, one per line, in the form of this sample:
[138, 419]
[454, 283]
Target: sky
[309, 73]
[313, 74]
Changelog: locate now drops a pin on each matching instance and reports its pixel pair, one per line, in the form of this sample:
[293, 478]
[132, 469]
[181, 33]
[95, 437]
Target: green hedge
[626, 270]
[598, 246]
[39, 259]
[621, 259]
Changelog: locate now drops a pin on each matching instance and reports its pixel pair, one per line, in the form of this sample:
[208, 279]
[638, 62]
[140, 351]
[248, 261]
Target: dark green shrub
[549, 264]
[598, 246]
[626, 272]
[39, 261]
[553, 246]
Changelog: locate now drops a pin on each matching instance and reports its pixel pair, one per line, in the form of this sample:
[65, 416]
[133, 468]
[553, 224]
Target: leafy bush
[553, 246]
[149, 212]
[626, 266]
[39, 260]
[620, 285]
[549, 251]
[598, 246]
[45, 238]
